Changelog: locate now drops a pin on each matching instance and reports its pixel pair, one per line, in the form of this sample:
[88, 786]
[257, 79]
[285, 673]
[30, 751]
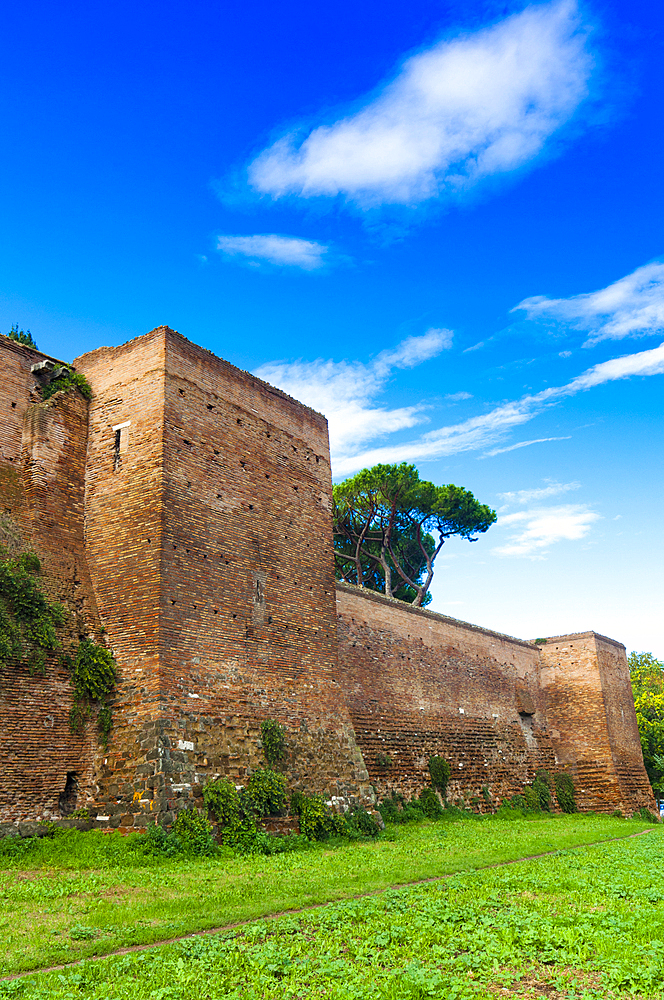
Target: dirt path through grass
[309, 908]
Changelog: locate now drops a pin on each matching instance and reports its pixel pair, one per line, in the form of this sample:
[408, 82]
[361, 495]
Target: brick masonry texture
[183, 517]
[420, 684]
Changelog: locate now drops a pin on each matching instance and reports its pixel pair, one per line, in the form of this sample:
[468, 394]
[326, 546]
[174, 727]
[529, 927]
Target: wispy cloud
[476, 433]
[457, 397]
[482, 104]
[285, 251]
[539, 493]
[522, 444]
[346, 391]
[534, 531]
[630, 307]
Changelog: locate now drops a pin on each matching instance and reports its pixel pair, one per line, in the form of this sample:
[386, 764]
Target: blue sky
[440, 223]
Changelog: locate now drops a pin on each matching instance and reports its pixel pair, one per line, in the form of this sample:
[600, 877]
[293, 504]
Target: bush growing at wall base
[565, 792]
[440, 771]
[264, 794]
[222, 800]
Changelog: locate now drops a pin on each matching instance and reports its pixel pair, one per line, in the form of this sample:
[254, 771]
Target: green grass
[89, 894]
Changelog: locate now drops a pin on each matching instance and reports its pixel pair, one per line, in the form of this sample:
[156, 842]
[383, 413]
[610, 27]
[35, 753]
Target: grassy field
[88, 894]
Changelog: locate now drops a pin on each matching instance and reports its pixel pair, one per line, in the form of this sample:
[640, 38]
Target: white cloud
[281, 250]
[534, 531]
[630, 307]
[539, 493]
[488, 428]
[479, 105]
[345, 391]
[522, 444]
[457, 397]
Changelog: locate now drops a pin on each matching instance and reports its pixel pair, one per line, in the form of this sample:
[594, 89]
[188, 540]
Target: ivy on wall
[28, 633]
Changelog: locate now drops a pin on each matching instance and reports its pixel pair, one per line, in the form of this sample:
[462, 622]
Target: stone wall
[184, 517]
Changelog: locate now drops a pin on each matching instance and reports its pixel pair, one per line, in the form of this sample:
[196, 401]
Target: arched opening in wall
[69, 796]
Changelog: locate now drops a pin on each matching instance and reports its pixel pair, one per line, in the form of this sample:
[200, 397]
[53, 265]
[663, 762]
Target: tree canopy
[389, 526]
[647, 676]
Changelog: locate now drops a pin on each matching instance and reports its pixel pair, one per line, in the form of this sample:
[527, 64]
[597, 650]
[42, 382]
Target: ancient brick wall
[211, 553]
[589, 706]
[45, 768]
[419, 684]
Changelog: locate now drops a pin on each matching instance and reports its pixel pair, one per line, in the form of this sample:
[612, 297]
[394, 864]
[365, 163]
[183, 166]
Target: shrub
[429, 804]
[542, 788]
[273, 740]
[395, 809]
[221, 798]
[317, 821]
[264, 794]
[517, 802]
[363, 822]
[645, 815]
[565, 792]
[27, 619]
[531, 798]
[66, 380]
[617, 813]
[21, 336]
[93, 671]
[194, 831]
[440, 771]
[383, 760]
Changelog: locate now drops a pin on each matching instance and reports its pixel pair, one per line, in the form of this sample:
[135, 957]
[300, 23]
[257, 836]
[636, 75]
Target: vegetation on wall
[565, 792]
[389, 526]
[21, 336]
[273, 740]
[647, 676]
[440, 771]
[65, 380]
[28, 633]
[28, 620]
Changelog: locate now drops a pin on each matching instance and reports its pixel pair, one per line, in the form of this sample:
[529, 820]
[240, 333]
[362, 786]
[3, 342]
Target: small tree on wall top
[386, 520]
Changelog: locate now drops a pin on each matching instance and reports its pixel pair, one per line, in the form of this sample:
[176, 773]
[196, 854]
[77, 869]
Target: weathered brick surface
[211, 552]
[185, 514]
[42, 467]
[420, 684]
[588, 697]
[497, 708]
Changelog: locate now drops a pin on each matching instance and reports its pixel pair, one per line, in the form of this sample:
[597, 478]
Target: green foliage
[429, 804]
[105, 723]
[221, 798]
[383, 760]
[273, 740]
[647, 676]
[193, 829]
[565, 792]
[395, 809]
[645, 815]
[67, 380]
[21, 336]
[93, 673]
[317, 821]
[440, 771]
[264, 793]
[363, 822]
[28, 621]
[385, 519]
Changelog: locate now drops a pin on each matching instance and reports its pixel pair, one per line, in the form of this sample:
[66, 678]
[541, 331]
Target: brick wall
[588, 702]
[420, 684]
[42, 467]
[211, 553]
